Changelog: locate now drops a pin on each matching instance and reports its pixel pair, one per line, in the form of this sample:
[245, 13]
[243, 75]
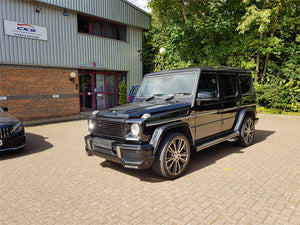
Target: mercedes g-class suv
[174, 113]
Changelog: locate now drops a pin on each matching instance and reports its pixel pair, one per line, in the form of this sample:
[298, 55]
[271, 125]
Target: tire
[247, 132]
[173, 156]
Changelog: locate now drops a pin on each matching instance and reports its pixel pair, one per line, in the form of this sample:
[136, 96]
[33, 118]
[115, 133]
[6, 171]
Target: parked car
[175, 113]
[134, 89]
[12, 133]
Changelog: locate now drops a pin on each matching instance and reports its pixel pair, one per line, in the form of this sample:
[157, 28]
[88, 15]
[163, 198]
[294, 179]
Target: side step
[217, 141]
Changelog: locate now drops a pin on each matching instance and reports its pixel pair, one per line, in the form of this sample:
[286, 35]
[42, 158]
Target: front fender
[160, 131]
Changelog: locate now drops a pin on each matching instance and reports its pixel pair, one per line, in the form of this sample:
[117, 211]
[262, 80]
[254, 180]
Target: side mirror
[5, 109]
[205, 96]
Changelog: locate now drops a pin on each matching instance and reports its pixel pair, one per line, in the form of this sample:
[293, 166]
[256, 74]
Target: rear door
[230, 99]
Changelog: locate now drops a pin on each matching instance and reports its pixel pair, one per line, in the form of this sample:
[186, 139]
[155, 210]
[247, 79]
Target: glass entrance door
[85, 91]
[99, 90]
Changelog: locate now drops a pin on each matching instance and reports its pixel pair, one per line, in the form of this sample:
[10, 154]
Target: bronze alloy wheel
[247, 132]
[174, 156]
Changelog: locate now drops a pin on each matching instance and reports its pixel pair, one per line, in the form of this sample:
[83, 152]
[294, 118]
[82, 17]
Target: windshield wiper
[177, 94]
[150, 98]
[183, 93]
[169, 98]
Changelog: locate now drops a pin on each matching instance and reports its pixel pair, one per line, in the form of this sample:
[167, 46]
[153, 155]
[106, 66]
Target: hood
[135, 110]
[5, 118]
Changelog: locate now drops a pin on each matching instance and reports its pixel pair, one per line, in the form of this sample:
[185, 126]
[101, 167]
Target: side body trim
[217, 141]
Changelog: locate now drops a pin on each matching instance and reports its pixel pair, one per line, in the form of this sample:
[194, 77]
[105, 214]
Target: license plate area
[103, 143]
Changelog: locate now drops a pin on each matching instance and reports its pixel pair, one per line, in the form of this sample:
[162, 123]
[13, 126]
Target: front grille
[114, 130]
[4, 132]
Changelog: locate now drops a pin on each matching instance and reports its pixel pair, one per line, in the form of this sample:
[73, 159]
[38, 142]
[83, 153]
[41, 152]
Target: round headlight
[135, 129]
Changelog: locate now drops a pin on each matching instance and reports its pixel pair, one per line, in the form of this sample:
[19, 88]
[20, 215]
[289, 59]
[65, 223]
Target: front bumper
[12, 143]
[135, 156]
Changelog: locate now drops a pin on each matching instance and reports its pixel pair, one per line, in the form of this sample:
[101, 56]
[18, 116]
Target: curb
[55, 120]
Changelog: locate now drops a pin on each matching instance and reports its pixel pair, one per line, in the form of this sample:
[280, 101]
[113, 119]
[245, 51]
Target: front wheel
[173, 156]
[247, 132]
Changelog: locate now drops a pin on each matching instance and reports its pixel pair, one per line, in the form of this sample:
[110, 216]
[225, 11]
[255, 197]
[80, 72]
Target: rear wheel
[173, 156]
[247, 132]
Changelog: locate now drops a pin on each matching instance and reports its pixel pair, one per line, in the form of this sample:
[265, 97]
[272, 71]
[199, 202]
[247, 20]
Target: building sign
[24, 30]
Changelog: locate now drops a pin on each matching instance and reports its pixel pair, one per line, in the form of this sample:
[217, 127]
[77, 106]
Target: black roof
[205, 68]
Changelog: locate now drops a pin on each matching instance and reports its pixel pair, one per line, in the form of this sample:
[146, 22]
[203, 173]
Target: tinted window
[227, 84]
[96, 28]
[246, 84]
[208, 84]
[83, 25]
[109, 30]
[121, 33]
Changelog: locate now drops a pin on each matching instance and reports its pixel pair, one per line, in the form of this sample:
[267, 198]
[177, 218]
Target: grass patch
[264, 110]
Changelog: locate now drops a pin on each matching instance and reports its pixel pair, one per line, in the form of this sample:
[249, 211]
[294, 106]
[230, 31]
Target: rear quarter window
[246, 84]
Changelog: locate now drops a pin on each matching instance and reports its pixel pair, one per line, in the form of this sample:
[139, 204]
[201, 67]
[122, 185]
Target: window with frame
[227, 85]
[208, 85]
[88, 25]
[246, 84]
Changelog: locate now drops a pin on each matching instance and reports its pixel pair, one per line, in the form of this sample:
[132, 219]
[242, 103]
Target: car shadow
[34, 143]
[199, 160]
[212, 154]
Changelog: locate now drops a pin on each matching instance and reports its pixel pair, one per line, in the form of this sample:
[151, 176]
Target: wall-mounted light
[38, 9]
[73, 76]
[65, 13]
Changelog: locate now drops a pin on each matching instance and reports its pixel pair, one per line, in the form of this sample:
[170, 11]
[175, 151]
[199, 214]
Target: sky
[141, 4]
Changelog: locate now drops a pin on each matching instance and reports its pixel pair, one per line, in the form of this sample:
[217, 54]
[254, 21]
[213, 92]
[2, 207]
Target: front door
[207, 112]
[99, 90]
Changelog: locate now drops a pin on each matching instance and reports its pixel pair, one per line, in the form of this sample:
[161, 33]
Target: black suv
[174, 113]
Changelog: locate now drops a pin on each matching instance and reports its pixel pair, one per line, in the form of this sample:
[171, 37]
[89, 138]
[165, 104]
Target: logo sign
[25, 30]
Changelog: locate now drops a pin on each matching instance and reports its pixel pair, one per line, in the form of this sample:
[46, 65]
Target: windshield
[168, 84]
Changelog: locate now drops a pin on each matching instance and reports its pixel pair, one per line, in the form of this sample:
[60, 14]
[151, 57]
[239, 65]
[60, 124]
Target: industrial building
[60, 58]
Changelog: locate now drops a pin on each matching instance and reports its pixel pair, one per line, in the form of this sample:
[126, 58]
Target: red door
[99, 90]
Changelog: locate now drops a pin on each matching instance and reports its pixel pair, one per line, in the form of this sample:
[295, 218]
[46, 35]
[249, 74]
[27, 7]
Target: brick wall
[38, 93]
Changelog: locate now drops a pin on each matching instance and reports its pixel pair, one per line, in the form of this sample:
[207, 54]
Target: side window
[208, 85]
[227, 85]
[246, 84]
[121, 33]
[83, 25]
[109, 30]
[93, 26]
[96, 28]
[135, 90]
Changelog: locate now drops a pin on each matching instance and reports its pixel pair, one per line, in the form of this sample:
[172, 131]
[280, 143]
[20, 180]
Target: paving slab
[52, 181]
